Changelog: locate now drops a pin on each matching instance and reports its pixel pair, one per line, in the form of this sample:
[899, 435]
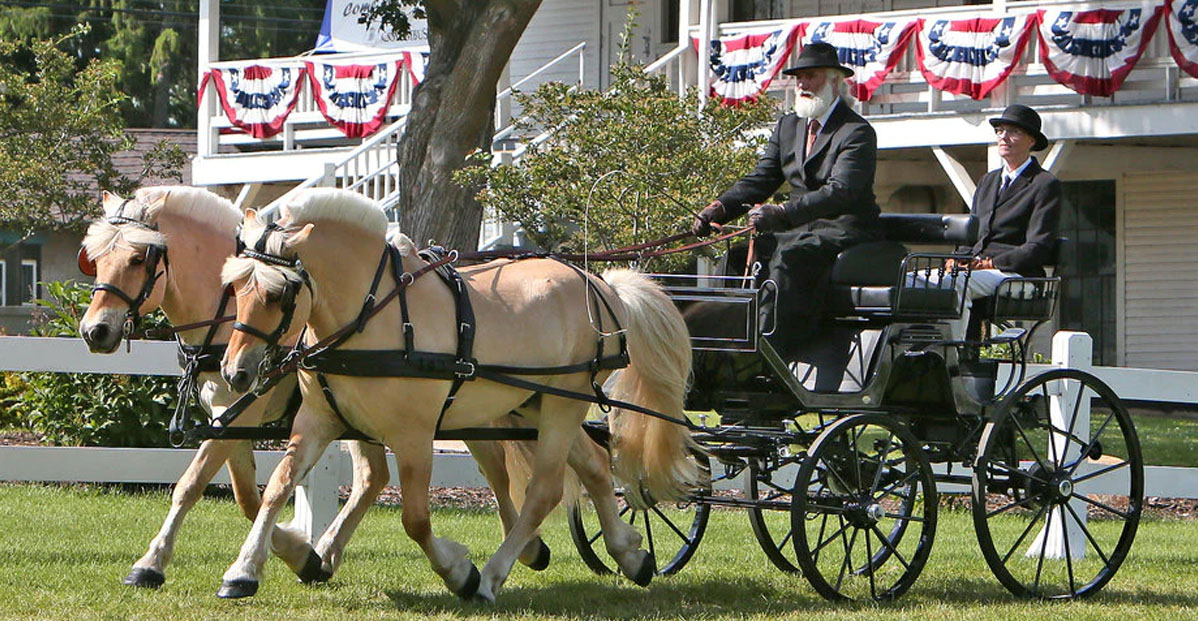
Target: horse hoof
[313, 571]
[145, 578]
[235, 589]
[542, 560]
[470, 588]
[480, 598]
[645, 574]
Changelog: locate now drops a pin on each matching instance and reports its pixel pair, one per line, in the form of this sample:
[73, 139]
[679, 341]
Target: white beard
[815, 104]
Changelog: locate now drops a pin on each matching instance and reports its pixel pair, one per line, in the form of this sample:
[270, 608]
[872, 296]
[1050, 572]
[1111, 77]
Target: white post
[316, 496]
[956, 173]
[685, 62]
[1074, 350]
[703, 71]
[208, 51]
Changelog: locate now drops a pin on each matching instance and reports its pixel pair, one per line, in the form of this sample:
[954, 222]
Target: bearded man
[828, 154]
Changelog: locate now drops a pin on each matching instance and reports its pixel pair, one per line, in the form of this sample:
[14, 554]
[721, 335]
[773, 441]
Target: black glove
[713, 212]
[768, 218]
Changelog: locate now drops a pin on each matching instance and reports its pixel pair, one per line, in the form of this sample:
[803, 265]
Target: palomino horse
[534, 313]
[199, 230]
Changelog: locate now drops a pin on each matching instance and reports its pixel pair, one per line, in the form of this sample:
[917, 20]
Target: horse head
[274, 297]
[126, 253]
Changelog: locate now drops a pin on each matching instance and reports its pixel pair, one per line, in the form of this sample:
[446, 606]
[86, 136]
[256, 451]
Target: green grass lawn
[1168, 441]
[66, 549]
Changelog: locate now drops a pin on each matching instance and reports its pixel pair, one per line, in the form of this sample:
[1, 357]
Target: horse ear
[251, 214]
[86, 265]
[109, 201]
[301, 236]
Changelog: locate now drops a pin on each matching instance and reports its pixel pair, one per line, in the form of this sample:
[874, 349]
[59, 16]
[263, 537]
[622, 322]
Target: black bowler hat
[1025, 118]
[818, 55]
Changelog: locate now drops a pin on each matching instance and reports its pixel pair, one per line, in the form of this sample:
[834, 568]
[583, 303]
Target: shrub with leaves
[627, 165]
[88, 409]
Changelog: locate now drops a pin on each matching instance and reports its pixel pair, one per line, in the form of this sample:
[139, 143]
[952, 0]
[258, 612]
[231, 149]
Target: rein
[626, 253]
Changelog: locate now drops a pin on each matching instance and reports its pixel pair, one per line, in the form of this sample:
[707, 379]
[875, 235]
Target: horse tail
[647, 452]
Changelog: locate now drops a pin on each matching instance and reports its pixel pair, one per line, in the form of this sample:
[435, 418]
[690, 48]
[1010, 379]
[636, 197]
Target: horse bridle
[155, 253]
[290, 292]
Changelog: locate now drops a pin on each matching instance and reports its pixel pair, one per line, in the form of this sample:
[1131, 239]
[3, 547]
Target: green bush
[627, 165]
[85, 409]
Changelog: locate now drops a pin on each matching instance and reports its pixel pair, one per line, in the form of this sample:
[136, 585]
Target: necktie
[1006, 183]
[812, 132]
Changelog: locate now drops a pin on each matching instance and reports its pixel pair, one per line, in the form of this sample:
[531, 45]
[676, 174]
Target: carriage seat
[865, 277]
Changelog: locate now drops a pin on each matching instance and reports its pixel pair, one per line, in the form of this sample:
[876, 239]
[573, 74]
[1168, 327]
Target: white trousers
[982, 283]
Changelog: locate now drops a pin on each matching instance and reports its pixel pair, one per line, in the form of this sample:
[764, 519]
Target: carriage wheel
[771, 489]
[773, 529]
[671, 531]
[1044, 485]
[867, 482]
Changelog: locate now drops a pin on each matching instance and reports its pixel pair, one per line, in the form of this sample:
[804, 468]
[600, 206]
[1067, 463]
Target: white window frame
[33, 282]
[3, 282]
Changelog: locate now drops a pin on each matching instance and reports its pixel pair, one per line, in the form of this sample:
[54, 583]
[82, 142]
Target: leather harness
[328, 359]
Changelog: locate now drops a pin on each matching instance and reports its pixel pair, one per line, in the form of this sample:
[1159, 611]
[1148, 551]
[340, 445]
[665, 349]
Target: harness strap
[332, 401]
[465, 319]
[580, 396]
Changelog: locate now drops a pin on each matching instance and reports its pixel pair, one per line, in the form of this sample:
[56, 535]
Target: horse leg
[371, 475]
[448, 558]
[309, 437]
[287, 541]
[558, 424]
[490, 456]
[149, 570]
[592, 463]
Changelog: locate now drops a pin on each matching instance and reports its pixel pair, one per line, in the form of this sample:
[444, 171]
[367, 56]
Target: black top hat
[1025, 118]
[818, 55]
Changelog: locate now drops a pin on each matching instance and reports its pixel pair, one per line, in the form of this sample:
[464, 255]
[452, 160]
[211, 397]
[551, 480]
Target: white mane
[315, 205]
[196, 203]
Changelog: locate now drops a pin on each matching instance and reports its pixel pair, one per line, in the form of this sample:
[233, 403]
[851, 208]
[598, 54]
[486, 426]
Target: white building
[1126, 161]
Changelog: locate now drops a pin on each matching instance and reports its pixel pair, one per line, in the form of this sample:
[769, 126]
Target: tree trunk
[453, 114]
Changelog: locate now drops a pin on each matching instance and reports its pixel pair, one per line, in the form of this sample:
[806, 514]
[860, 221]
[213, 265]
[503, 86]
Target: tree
[59, 130]
[154, 44]
[452, 114]
[629, 165]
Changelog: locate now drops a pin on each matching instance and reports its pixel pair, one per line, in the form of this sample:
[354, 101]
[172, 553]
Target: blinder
[86, 266]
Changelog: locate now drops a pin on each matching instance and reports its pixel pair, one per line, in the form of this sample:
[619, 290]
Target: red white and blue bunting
[871, 49]
[971, 56]
[1182, 21]
[1092, 51]
[744, 64]
[417, 61]
[354, 98]
[256, 98]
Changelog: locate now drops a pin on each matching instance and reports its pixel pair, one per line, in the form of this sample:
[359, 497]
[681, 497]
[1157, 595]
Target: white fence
[316, 501]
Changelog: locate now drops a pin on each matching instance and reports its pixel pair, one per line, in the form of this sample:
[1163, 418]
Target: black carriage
[841, 450]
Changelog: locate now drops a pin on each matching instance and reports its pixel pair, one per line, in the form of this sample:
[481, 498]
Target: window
[29, 282]
[3, 283]
[751, 10]
[1088, 274]
[669, 21]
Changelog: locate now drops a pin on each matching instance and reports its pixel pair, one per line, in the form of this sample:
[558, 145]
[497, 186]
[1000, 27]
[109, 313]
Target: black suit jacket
[1018, 230]
[835, 182]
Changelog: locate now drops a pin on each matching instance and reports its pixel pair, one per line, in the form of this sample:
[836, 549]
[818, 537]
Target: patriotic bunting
[417, 61]
[354, 98]
[744, 64]
[1183, 34]
[871, 49]
[971, 56]
[257, 98]
[1092, 51]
